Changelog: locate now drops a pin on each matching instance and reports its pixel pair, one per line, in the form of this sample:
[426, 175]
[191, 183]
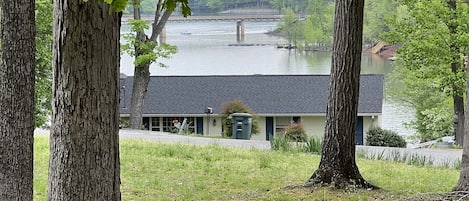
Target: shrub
[237, 106]
[124, 122]
[377, 136]
[433, 123]
[295, 133]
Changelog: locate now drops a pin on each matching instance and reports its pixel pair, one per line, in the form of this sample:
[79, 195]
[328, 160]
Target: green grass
[155, 171]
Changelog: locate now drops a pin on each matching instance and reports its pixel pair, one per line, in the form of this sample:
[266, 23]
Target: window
[281, 123]
[296, 119]
[168, 125]
[155, 124]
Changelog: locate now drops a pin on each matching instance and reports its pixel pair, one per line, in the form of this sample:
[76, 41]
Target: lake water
[206, 51]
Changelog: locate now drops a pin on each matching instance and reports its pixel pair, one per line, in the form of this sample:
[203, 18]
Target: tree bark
[84, 142]
[17, 77]
[337, 167]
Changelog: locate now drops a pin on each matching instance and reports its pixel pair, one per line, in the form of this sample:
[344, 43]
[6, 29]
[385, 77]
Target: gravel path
[437, 156]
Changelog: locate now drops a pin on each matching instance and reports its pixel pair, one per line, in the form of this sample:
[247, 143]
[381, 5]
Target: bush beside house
[377, 136]
[237, 106]
[295, 133]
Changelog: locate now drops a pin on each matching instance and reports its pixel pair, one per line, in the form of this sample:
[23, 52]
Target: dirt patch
[331, 194]
[456, 195]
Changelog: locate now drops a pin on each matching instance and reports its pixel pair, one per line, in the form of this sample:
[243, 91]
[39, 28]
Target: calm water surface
[206, 51]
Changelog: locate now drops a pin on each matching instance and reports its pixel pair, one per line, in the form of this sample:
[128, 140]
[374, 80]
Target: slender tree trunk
[463, 182]
[458, 100]
[17, 99]
[337, 167]
[84, 141]
[142, 72]
[141, 78]
[139, 91]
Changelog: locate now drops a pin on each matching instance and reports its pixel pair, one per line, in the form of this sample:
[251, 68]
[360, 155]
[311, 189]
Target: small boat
[286, 46]
[186, 33]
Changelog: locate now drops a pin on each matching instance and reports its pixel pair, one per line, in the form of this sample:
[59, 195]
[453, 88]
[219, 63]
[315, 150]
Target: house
[278, 101]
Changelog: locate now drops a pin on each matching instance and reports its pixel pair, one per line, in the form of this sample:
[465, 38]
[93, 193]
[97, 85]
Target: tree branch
[136, 6]
[157, 29]
[158, 23]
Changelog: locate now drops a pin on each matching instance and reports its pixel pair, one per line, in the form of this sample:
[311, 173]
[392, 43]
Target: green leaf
[138, 25]
[118, 5]
[171, 5]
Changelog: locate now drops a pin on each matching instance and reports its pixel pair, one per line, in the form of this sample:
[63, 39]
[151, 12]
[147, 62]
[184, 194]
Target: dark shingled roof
[265, 94]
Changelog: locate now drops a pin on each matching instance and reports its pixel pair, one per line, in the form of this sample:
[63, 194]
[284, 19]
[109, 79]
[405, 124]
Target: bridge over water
[125, 18]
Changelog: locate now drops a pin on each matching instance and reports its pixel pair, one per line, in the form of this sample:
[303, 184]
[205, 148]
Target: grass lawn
[155, 171]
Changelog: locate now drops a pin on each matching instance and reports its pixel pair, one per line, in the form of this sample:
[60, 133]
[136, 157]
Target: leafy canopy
[43, 96]
[423, 76]
[149, 51]
[149, 6]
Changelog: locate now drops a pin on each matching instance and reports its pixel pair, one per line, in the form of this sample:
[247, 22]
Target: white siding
[261, 135]
[314, 126]
[213, 128]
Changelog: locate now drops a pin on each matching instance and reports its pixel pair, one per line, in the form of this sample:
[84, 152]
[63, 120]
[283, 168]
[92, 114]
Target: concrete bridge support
[240, 31]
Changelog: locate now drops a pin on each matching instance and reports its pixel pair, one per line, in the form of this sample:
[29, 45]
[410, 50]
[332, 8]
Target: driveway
[438, 156]
[184, 139]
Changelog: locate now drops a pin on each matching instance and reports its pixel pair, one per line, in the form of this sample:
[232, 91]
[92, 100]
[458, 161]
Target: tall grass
[313, 145]
[280, 143]
[155, 171]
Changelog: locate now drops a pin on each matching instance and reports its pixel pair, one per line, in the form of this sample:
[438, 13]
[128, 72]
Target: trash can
[241, 124]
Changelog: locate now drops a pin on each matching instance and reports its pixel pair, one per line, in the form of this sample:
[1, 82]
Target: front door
[146, 123]
[359, 131]
[200, 125]
[269, 127]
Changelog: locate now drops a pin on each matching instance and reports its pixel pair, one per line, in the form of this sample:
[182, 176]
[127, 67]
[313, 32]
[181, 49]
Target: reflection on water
[206, 52]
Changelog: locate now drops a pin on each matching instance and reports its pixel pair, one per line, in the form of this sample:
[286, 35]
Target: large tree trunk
[17, 99]
[84, 141]
[337, 167]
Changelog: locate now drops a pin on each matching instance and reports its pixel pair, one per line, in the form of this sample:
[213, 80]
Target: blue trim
[200, 125]
[269, 127]
[359, 131]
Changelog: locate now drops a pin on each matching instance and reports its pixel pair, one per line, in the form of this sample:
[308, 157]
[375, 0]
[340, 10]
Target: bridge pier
[240, 31]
